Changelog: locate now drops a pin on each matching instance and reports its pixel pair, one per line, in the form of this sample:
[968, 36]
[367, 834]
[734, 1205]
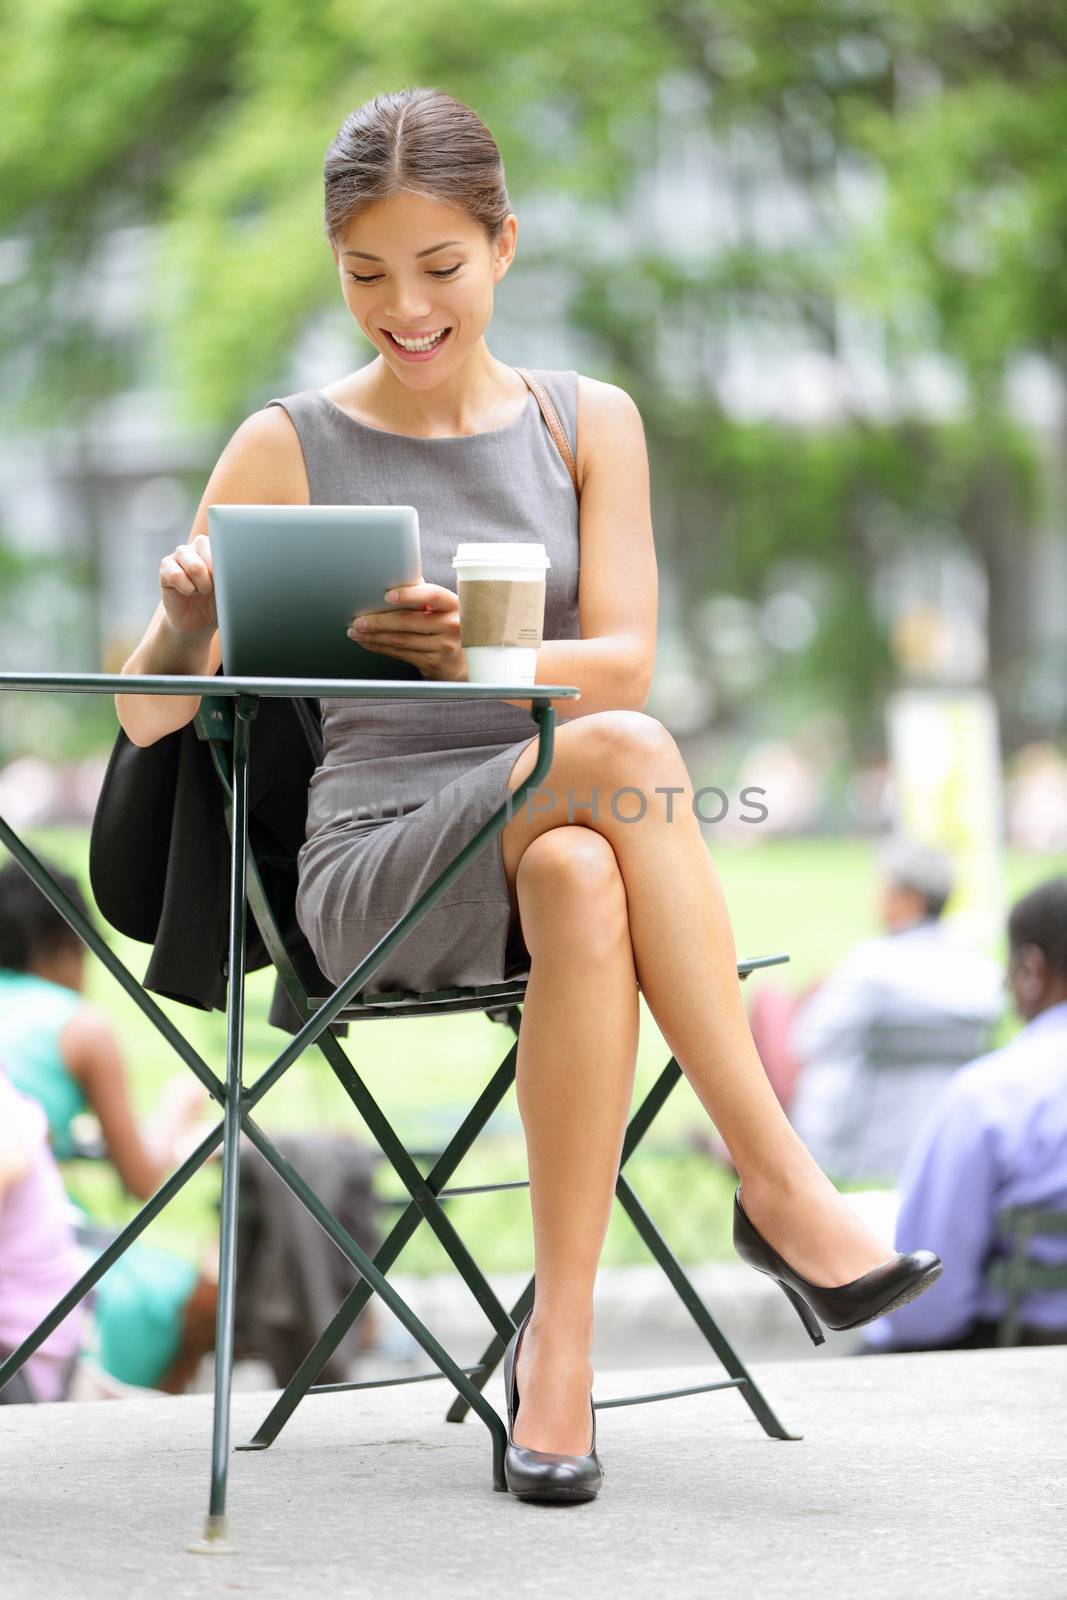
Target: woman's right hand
[187, 587]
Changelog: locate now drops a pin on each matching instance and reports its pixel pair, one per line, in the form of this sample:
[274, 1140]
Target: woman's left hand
[425, 632]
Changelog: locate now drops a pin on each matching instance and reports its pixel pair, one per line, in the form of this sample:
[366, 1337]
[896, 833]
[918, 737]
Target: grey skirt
[359, 875]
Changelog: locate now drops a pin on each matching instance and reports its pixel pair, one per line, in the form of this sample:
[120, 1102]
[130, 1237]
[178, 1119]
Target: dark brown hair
[418, 141]
[30, 925]
[1040, 918]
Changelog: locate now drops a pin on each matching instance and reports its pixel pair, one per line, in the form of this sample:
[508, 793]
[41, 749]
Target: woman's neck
[479, 396]
[60, 968]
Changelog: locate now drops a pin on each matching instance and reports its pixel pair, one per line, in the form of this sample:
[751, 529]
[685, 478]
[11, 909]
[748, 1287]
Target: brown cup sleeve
[501, 612]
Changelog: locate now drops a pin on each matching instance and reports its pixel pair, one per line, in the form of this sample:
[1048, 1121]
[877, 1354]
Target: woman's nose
[408, 308]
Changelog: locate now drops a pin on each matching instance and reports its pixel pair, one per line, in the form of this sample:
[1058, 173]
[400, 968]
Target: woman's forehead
[409, 222]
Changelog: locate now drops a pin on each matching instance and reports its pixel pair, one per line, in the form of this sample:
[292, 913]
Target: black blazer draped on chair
[159, 855]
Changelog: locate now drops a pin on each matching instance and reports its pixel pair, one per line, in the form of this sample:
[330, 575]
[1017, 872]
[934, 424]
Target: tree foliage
[210, 123]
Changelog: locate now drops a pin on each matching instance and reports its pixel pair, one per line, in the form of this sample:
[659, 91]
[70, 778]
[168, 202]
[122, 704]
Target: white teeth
[421, 344]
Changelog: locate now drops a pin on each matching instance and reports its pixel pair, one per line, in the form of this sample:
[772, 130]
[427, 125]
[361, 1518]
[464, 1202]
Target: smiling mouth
[425, 349]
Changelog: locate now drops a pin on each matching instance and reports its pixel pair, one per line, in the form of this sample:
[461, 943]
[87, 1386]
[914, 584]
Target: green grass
[812, 899]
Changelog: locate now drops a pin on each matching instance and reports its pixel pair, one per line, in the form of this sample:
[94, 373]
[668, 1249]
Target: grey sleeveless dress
[404, 785]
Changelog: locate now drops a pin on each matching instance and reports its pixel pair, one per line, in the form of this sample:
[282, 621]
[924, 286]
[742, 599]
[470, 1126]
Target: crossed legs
[605, 905]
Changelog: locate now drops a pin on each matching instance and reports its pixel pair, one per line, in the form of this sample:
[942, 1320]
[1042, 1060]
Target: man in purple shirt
[996, 1136]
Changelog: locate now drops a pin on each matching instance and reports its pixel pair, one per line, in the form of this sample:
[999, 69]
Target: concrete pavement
[929, 1475]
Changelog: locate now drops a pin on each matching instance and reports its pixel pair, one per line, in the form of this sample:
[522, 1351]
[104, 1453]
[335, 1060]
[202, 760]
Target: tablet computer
[290, 579]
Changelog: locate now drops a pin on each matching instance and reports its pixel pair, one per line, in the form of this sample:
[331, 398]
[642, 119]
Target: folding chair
[904, 1064]
[1017, 1274]
[228, 708]
[943, 1044]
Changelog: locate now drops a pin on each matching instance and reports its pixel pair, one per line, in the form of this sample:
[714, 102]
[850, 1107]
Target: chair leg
[491, 1356]
[639, 1125]
[661, 1251]
[399, 1307]
[414, 1214]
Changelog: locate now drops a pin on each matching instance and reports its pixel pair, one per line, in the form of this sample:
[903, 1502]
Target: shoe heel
[804, 1312]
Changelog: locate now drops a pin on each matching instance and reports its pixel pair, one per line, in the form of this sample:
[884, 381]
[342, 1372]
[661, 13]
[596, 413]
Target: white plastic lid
[525, 554]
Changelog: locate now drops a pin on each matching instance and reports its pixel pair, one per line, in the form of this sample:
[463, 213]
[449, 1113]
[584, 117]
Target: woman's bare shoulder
[262, 463]
[598, 398]
[264, 454]
[604, 413]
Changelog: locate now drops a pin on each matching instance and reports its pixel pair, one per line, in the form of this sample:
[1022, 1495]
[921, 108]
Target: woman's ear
[1031, 973]
[505, 246]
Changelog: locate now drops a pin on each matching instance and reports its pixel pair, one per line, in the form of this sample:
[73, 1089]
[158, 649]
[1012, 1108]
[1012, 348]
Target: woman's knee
[627, 729]
[629, 750]
[571, 874]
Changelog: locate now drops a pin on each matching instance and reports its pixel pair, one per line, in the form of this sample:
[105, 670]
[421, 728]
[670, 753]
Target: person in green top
[33, 1015]
[62, 1051]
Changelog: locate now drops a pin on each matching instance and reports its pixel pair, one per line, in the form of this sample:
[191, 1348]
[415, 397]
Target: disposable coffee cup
[501, 609]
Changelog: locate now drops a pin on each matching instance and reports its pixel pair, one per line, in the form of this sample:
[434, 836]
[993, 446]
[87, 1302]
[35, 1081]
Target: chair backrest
[941, 1042]
[1016, 1274]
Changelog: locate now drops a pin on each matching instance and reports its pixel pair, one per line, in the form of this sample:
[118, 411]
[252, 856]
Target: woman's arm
[263, 464]
[91, 1053]
[618, 584]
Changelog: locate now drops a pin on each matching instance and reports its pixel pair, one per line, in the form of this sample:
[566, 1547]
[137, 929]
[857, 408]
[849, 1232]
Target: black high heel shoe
[847, 1305]
[544, 1474]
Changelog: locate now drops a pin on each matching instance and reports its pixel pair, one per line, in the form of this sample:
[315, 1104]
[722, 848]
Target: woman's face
[412, 266]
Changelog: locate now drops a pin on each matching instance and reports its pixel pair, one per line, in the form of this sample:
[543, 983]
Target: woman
[62, 1050]
[587, 903]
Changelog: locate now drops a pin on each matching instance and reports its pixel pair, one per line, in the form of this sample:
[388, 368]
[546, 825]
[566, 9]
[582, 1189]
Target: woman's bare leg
[574, 1078]
[686, 963]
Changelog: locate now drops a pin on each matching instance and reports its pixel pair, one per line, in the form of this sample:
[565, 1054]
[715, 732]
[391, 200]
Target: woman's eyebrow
[366, 256]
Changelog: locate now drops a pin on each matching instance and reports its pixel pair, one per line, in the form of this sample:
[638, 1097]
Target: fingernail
[392, 594]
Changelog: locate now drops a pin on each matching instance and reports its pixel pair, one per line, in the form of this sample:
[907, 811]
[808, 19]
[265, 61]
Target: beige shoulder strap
[551, 416]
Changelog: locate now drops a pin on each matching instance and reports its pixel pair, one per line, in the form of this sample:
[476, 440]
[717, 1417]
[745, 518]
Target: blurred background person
[995, 1137]
[39, 1256]
[63, 1051]
[880, 1036]
[153, 1311]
